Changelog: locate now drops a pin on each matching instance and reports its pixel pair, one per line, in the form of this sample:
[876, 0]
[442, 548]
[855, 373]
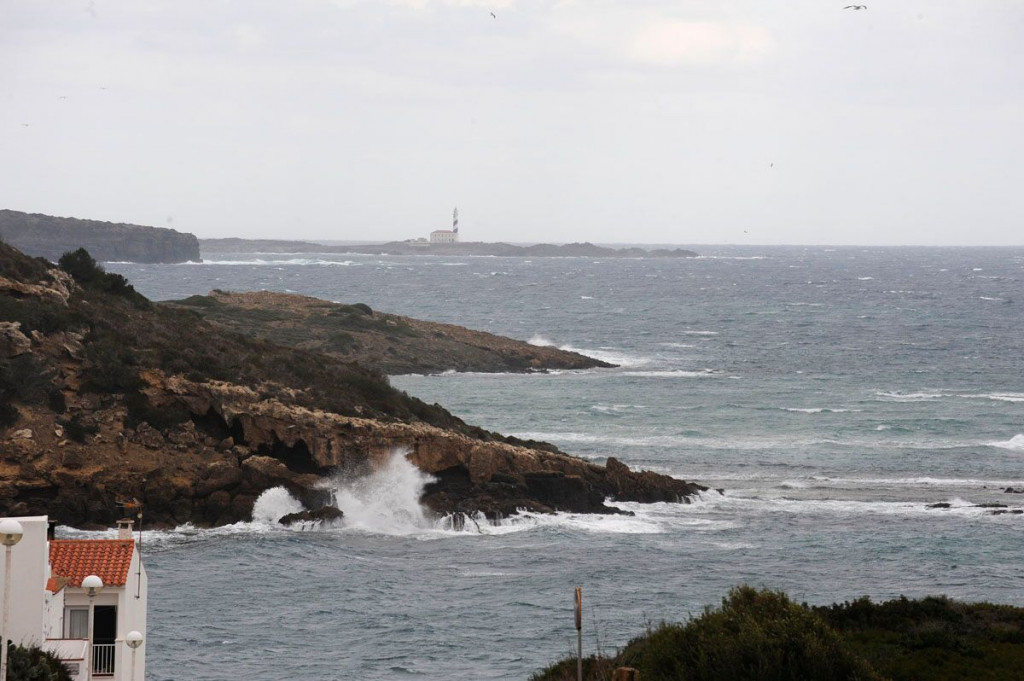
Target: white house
[444, 236]
[50, 608]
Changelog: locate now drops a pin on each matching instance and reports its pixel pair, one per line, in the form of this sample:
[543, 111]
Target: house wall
[30, 567]
[53, 614]
[131, 615]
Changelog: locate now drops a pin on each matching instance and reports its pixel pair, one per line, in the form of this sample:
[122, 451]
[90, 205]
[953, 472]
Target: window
[76, 624]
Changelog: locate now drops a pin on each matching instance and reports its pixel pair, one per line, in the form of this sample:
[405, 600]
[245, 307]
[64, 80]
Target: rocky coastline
[108, 398]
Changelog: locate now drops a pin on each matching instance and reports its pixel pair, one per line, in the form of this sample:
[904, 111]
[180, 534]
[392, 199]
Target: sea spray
[272, 504]
[386, 501]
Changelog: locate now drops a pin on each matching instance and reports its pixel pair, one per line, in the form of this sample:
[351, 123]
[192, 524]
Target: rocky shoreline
[107, 398]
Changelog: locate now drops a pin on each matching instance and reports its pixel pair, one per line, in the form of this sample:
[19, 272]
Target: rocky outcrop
[50, 237]
[325, 515]
[389, 343]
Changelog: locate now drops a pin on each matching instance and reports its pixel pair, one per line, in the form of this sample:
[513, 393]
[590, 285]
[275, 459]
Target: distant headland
[423, 247]
[50, 237]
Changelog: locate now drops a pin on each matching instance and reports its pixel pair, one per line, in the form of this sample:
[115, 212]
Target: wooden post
[579, 634]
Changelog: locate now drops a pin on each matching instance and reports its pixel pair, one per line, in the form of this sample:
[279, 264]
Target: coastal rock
[12, 341]
[322, 516]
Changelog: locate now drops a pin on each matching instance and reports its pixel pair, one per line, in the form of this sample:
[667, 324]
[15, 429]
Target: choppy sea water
[831, 393]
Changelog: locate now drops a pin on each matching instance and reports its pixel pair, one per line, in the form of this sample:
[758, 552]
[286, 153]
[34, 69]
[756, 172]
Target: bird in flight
[493, 15]
[856, 7]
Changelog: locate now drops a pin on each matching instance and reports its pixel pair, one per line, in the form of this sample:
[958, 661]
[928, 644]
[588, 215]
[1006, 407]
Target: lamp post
[92, 585]
[133, 641]
[10, 534]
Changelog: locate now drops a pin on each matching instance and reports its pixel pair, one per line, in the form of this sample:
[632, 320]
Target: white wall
[30, 563]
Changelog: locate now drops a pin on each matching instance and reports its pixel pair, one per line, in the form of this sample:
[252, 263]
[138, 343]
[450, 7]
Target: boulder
[322, 516]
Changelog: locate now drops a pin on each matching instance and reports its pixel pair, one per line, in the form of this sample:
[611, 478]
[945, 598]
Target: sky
[610, 121]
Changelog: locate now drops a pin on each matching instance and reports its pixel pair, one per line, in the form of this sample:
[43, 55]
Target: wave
[610, 355]
[747, 505]
[819, 410]
[1015, 443]
[673, 373]
[290, 261]
[908, 397]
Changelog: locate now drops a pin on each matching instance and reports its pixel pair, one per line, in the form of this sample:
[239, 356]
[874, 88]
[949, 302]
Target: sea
[826, 396]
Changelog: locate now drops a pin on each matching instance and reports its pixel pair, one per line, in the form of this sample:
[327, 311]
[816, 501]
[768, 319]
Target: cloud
[659, 37]
[679, 42]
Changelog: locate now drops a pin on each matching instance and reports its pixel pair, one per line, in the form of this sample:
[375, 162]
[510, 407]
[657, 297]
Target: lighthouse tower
[447, 236]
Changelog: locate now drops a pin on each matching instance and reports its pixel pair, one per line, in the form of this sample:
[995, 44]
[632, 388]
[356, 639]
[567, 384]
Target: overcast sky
[646, 121]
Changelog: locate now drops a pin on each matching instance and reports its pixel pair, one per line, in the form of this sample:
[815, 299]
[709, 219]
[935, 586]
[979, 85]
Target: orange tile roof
[76, 559]
[55, 584]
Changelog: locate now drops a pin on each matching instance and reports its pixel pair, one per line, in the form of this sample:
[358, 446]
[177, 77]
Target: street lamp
[10, 534]
[92, 585]
[133, 640]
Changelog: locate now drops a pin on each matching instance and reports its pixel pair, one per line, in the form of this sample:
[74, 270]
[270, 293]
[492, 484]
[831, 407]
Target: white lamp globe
[93, 584]
[133, 639]
[10, 532]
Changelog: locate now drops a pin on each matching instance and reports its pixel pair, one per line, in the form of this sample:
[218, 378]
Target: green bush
[34, 664]
[91, 276]
[756, 635]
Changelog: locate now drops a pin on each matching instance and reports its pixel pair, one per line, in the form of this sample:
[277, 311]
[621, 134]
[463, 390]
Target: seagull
[493, 15]
[856, 7]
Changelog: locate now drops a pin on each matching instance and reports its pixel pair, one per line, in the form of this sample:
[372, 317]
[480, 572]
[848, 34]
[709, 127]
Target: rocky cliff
[50, 237]
[106, 398]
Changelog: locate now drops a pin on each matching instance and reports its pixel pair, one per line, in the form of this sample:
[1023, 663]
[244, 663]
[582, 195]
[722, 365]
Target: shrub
[34, 664]
[91, 276]
[756, 635]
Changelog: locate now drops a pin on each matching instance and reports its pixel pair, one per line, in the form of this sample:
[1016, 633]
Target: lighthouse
[447, 236]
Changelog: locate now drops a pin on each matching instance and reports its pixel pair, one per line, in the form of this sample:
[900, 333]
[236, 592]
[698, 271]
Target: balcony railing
[103, 659]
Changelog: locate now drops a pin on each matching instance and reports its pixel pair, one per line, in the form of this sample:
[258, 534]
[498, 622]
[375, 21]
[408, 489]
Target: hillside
[49, 237]
[389, 343]
[106, 396]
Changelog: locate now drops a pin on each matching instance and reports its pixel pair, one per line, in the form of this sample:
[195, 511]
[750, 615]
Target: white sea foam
[272, 504]
[605, 354]
[819, 410]
[386, 501]
[1015, 443]
[673, 373]
[864, 278]
[908, 397]
[291, 261]
[678, 345]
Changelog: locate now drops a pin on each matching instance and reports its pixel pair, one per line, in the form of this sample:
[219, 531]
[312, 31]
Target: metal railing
[103, 659]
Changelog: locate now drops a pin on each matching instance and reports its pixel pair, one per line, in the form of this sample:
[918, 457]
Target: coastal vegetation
[31, 663]
[762, 635]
